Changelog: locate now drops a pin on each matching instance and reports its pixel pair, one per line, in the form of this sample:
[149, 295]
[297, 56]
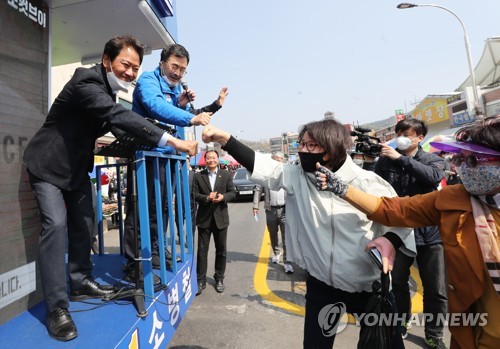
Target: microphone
[185, 87]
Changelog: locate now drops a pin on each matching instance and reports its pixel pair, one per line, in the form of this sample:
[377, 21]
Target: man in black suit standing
[213, 189]
[58, 159]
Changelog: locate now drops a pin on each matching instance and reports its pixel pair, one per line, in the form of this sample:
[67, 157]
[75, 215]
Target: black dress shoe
[60, 325]
[129, 270]
[219, 286]
[91, 289]
[155, 262]
[201, 287]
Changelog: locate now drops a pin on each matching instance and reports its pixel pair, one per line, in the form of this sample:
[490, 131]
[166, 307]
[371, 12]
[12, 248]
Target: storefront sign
[462, 118]
[31, 11]
[431, 110]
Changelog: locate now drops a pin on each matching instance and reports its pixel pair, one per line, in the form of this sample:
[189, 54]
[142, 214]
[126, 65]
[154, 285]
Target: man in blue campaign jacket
[58, 159]
[159, 95]
[411, 171]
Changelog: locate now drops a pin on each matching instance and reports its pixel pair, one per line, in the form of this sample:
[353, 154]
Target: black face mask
[308, 160]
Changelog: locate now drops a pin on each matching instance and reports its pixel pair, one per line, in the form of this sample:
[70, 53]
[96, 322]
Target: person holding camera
[411, 171]
[468, 216]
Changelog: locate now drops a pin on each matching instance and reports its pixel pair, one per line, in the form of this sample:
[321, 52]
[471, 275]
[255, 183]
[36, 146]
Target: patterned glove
[333, 183]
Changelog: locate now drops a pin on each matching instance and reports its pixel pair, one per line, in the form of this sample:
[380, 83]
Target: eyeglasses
[181, 71]
[470, 160]
[310, 146]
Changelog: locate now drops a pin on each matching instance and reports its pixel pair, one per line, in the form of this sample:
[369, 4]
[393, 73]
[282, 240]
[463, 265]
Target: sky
[287, 62]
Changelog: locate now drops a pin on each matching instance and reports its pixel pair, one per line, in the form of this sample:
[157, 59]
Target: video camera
[366, 144]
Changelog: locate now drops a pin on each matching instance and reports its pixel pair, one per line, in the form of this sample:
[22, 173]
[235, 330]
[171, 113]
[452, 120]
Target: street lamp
[406, 5]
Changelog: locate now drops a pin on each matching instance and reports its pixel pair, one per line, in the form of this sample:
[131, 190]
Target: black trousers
[320, 295]
[128, 235]
[220, 240]
[432, 270]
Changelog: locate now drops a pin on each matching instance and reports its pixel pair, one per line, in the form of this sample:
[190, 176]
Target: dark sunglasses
[470, 160]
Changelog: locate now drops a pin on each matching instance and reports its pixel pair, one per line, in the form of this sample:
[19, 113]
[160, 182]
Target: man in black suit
[58, 159]
[213, 189]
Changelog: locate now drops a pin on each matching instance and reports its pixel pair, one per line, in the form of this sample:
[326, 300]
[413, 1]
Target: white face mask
[358, 162]
[117, 84]
[167, 80]
[403, 143]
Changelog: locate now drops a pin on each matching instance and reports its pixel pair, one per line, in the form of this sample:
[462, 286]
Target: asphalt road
[262, 306]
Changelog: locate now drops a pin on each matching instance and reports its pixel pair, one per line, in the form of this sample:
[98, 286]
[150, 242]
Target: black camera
[366, 144]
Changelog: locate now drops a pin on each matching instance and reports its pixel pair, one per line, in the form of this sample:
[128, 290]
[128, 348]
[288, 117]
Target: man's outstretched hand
[188, 147]
[222, 96]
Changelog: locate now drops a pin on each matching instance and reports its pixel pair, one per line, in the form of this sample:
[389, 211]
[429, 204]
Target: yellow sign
[99, 160]
[431, 110]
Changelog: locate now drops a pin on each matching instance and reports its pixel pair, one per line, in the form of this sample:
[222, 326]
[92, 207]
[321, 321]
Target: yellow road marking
[260, 281]
[262, 288]
[417, 301]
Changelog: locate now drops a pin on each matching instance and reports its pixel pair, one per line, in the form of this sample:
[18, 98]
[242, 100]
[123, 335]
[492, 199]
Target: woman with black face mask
[324, 234]
[468, 216]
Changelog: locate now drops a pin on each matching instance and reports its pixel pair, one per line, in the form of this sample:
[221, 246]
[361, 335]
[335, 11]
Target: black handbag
[379, 332]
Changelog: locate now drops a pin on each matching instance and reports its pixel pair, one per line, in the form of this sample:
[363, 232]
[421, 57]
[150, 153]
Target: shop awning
[487, 71]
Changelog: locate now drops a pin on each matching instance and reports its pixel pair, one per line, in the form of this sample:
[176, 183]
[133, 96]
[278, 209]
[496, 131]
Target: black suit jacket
[208, 210]
[61, 152]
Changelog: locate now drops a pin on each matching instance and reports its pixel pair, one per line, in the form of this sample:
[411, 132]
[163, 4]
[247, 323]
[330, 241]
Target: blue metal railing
[176, 181]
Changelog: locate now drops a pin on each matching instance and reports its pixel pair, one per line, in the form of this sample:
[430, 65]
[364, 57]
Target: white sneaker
[276, 258]
[288, 268]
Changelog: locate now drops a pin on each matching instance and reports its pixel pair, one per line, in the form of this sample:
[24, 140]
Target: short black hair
[416, 125]
[174, 50]
[114, 46]
[211, 151]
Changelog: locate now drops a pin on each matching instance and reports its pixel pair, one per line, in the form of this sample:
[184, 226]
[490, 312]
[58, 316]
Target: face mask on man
[308, 160]
[164, 75]
[479, 180]
[170, 83]
[117, 84]
[403, 143]
[358, 162]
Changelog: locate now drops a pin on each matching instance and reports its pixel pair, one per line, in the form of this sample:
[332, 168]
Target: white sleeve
[164, 139]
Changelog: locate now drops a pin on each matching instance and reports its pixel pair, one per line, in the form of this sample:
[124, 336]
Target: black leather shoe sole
[66, 338]
[105, 293]
[82, 297]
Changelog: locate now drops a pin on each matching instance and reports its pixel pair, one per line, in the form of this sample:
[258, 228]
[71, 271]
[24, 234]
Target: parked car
[244, 186]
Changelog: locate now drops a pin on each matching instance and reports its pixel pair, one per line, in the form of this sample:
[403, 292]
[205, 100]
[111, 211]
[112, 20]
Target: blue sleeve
[149, 96]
